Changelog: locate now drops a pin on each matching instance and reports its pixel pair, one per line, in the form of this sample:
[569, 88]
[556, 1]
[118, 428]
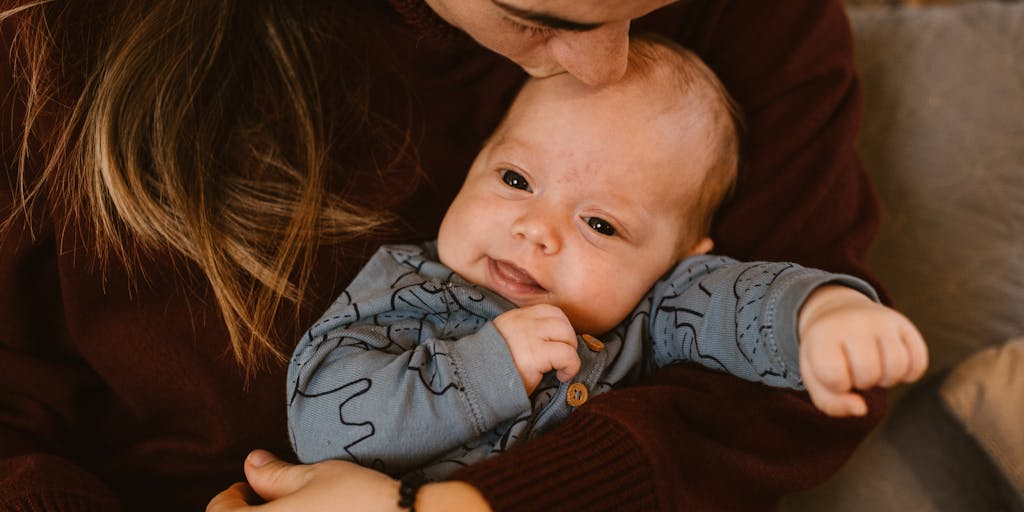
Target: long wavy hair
[198, 126]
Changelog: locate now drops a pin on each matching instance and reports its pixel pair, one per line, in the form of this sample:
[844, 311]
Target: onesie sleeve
[394, 377]
[740, 318]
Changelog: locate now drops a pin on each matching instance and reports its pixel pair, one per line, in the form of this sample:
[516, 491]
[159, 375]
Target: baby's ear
[704, 246]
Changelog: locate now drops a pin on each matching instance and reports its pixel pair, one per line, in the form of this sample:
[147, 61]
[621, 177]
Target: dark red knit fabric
[685, 439]
[114, 388]
[43, 483]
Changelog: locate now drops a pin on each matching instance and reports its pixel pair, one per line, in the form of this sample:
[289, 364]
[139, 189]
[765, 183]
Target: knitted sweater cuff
[589, 463]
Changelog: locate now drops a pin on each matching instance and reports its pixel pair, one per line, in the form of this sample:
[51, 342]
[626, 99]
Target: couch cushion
[943, 140]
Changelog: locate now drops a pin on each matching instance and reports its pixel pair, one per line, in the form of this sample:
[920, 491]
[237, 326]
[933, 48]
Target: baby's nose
[538, 229]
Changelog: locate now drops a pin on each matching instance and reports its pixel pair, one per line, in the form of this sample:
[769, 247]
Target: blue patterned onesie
[406, 371]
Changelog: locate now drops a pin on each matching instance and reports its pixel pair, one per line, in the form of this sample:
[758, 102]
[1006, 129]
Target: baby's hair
[688, 84]
[650, 58]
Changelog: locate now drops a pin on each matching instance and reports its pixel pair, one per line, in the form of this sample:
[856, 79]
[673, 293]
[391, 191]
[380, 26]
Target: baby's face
[577, 201]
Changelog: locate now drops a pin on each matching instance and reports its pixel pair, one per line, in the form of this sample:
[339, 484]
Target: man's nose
[596, 56]
[538, 228]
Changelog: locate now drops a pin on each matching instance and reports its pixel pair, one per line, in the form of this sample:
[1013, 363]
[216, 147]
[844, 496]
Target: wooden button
[592, 343]
[576, 395]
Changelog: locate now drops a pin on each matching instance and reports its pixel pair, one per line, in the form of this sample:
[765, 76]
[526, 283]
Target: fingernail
[259, 457]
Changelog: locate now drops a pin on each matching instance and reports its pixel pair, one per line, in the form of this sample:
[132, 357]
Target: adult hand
[334, 486]
[326, 486]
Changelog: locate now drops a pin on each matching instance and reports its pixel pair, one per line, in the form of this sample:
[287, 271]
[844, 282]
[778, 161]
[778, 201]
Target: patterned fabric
[406, 370]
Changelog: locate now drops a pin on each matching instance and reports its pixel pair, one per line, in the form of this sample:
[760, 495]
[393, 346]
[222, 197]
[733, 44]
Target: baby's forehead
[652, 187]
[660, 88]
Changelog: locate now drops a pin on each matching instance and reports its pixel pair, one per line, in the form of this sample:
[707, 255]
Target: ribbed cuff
[588, 463]
[785, 303]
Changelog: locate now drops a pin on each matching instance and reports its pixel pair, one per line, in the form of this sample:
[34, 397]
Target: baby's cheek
[599, 312]
[604, 295]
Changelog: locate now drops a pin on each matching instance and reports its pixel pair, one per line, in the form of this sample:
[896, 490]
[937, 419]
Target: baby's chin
[592, 324]
[581, 324]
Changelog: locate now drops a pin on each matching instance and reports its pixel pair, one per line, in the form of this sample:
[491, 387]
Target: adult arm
[687, 438]
[401, 370]
[334, 486]
[43, 384]
[803, 195]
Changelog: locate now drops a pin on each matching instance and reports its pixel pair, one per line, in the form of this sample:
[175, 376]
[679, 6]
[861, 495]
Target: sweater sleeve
[687, 438]
[401, 375]
[802, 195]
[42, 381]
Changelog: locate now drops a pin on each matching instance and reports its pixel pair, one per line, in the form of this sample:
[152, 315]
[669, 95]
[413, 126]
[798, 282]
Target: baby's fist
[849, 342]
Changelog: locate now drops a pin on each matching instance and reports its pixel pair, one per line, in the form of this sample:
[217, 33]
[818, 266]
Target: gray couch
[944, 142]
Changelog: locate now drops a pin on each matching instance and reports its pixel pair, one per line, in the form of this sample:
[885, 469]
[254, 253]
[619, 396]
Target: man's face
[577, 200]
[586, 38]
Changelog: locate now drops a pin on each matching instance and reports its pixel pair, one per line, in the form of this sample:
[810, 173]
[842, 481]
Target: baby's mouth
[512, 281]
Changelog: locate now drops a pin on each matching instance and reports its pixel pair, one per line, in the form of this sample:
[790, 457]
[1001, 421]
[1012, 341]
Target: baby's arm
[849, 342]
[369, 394]
[784, 325]
[737, 317]
[541, 339]
[394, 376]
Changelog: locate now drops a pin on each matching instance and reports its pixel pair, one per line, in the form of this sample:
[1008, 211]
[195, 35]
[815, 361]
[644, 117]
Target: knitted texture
[70, 487]
[539, 474]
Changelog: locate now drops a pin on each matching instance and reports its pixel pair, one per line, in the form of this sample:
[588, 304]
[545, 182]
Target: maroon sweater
[120, 393]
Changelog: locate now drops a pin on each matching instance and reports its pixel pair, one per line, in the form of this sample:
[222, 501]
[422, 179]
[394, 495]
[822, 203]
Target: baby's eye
[515, 180]
[601, 226]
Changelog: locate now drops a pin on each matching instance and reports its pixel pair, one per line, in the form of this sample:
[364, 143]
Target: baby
[574, 259]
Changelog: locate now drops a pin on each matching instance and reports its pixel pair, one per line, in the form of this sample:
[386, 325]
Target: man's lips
[512, 281]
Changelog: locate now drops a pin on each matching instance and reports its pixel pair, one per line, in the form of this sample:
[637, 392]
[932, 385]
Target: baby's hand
[848, 341]
[541, 339]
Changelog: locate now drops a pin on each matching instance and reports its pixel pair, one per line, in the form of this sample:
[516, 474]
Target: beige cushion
[986, 393]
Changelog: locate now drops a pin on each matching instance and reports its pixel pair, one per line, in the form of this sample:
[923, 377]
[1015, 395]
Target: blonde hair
[197, 127]
[651, 57]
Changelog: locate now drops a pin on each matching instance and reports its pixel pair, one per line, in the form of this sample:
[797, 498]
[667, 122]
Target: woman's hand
[332, 486]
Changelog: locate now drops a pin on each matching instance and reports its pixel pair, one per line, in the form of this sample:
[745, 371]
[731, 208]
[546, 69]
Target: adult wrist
[448, 496]
[408, 488]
